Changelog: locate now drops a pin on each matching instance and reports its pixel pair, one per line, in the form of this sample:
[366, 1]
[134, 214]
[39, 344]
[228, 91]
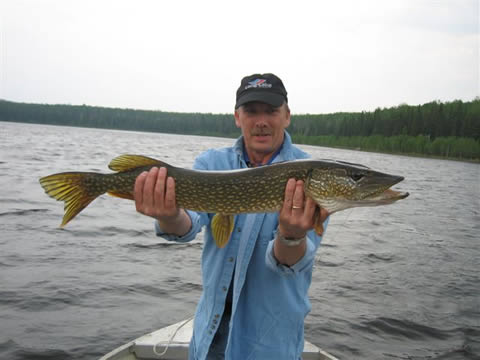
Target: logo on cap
[258, 83]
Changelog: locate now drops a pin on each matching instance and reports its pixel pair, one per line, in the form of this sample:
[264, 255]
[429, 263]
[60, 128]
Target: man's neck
[254, 159]
[259, 159]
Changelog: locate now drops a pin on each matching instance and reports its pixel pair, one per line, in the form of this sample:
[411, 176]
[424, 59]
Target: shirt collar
[249, 163]
[283, 154]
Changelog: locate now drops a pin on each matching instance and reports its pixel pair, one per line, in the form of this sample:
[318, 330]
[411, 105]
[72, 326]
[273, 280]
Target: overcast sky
[189, 56]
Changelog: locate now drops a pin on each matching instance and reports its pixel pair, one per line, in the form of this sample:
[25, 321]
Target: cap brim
[275, 100]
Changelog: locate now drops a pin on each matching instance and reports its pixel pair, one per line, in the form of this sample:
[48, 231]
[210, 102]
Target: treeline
[447, 147]
[450, 129]
[434, 119]
[121, 119]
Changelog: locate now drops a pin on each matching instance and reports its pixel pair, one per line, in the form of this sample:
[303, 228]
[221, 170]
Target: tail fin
[76, 189]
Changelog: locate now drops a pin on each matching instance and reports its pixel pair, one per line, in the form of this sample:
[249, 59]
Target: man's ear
[288, 118]
[237, 119]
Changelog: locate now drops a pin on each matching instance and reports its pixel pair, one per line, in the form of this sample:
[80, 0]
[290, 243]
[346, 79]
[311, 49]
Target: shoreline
[232, 136]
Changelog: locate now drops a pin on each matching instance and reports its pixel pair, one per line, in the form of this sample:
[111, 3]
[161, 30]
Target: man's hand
[297, 216]
[154, 195]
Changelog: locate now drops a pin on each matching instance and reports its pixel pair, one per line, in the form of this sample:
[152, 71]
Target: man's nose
[260, 120]
[260, 124]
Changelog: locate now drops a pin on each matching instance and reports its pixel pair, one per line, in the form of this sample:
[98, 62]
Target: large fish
[333, 185]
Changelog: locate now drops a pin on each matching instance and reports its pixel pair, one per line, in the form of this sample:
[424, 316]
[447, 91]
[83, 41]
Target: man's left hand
[299, 213]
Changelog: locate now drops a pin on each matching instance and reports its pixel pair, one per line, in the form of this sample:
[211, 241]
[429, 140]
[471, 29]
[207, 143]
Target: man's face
[262, 126]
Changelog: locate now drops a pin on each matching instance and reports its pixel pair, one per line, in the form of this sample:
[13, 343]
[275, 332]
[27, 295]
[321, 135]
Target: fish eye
[357, 177]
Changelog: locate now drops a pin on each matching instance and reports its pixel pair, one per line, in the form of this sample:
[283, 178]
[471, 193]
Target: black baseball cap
[266, 88]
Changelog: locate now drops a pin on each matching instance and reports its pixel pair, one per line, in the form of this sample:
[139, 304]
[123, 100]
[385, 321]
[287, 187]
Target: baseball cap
[266, 88]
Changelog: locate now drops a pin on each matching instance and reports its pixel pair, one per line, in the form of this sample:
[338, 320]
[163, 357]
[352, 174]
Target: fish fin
[73, 189]
[122, 195]
[222, 227]
[318, 226]
[129, 162]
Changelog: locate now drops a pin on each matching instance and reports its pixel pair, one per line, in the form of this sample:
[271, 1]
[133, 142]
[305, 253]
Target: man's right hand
[154, 195]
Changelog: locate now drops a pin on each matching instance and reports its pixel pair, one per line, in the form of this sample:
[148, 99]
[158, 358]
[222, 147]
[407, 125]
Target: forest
[440, 129]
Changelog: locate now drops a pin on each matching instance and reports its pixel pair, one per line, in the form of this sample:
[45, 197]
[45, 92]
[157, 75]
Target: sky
[189, 56]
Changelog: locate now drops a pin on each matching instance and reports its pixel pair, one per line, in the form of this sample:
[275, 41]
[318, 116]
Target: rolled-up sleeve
[305, 263]
[189, 236]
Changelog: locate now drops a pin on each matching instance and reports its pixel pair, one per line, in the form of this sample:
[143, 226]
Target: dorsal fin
[129, 162]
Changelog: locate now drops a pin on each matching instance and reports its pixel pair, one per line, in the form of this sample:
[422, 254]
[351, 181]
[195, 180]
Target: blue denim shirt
[270, 300]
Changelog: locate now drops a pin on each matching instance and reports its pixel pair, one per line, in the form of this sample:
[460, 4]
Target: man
[254, 298]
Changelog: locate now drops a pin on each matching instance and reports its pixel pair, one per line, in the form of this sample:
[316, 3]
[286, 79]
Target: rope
[160, 354]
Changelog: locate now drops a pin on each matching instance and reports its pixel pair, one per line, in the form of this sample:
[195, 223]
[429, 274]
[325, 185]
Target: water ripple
[22, 212]
[403, 328]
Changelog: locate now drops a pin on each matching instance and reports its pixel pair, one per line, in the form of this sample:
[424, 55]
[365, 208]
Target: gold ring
[296, 207]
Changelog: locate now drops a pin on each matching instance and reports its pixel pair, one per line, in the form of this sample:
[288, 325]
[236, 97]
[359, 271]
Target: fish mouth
[395, 195]
[386, 195]
[396, 179]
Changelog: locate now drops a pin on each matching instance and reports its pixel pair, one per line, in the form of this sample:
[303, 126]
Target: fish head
[339, 186]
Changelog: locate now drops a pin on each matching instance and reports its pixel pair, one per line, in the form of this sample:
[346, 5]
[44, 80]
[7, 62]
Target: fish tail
[76, 189]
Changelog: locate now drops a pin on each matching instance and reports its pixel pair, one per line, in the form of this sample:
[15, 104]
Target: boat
[171, 343]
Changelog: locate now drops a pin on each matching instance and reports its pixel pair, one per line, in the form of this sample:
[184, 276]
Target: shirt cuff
[190, 235]
[305, 263]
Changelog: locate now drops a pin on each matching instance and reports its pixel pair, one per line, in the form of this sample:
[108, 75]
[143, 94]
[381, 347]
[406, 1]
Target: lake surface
[392, 282]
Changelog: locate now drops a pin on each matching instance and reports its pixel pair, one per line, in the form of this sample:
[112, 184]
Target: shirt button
[217, 315]
[230, 259]
[224, 288]
[210, 332]
[215, 321]
[239, 229]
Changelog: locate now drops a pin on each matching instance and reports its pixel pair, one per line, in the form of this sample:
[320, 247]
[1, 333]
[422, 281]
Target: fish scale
[233, 193]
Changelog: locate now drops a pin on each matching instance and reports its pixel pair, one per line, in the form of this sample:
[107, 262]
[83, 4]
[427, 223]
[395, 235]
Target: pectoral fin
[222, 227]
[318, 226]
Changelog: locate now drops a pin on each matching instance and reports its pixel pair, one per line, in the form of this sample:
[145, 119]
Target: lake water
[392, 282]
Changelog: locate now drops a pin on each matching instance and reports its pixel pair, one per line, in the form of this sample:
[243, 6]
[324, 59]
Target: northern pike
[333, 185]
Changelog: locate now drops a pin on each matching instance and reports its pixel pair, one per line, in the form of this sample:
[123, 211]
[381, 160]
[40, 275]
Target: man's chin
[266, 148]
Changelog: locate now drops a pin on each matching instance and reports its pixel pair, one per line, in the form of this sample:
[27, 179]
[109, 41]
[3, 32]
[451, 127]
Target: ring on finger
[296, 207]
